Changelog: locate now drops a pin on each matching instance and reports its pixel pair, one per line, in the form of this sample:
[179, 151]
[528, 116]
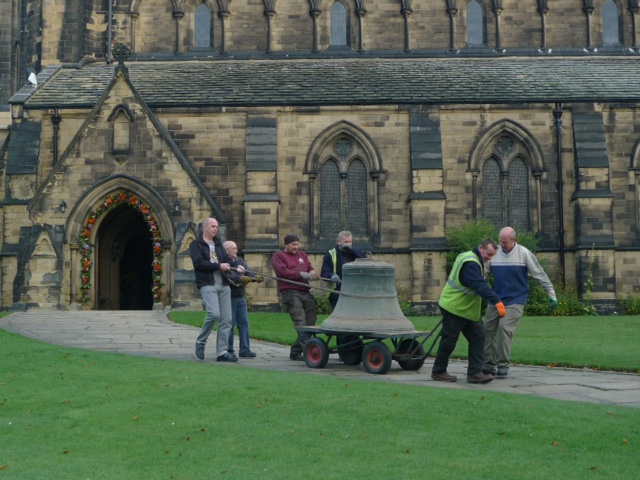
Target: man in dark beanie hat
[290, 238]
[293, 264]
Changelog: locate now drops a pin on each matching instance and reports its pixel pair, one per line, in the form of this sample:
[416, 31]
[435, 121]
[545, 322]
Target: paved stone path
[150, 333]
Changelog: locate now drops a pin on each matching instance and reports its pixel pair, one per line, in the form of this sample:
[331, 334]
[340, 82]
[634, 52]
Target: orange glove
[502, 311]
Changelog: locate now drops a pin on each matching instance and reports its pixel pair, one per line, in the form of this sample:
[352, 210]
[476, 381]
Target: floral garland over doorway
[86, 247]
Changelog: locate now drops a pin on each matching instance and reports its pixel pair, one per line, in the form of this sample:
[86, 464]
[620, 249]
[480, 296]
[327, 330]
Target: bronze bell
[369, 303]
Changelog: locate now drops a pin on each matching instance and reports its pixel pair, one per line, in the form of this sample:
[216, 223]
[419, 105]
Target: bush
[466, 237]
[324, 307]
[569, 303]
[630, 305]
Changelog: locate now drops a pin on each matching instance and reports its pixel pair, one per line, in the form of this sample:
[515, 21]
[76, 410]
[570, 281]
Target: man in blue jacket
[510, 268]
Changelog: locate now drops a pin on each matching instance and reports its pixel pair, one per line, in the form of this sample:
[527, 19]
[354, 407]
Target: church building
[125, 123]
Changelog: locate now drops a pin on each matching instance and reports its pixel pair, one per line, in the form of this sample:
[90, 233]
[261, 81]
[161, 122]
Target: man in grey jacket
[510, 267]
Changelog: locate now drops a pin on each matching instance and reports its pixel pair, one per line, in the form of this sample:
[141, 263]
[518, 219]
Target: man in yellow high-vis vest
[460, 304]
[334, 259]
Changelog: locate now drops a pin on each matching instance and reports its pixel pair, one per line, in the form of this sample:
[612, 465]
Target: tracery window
[343, 197]
[610, 24]
[506, 188]
[202, 27]
[343, 167]
[339, 25]
[475, 24]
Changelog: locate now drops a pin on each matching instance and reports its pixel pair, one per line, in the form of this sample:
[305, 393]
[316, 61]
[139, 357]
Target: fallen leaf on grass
[554, 443]
[4, 467]
[624, 442]
[136, 417]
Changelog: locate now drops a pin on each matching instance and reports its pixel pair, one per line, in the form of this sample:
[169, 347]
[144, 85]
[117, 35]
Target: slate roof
[365, 81]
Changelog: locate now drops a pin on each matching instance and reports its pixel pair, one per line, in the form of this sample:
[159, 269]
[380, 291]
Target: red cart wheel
[316, 353]
[412, 354]
[376, 358]
[350, 349]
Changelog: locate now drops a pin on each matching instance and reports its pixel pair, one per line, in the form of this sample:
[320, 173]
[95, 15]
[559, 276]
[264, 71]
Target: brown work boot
[479, 378]
[443, 377]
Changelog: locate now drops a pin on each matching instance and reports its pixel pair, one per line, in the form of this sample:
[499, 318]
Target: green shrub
[324, 307]
[466, 237]
[569, 302]
[630, 305]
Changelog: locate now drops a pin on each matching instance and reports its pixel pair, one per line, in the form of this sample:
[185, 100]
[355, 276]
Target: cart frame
[368, 348]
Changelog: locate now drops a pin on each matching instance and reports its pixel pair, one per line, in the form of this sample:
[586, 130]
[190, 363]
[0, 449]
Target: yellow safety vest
[334, 259]
[458, 299]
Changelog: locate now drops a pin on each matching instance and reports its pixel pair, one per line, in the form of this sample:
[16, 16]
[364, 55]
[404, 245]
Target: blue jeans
[217, 303]
[240, 317]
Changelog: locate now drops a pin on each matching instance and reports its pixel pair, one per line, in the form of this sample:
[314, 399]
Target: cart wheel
[376, 358]
[316, 353]
[351, 352]
[410, 362]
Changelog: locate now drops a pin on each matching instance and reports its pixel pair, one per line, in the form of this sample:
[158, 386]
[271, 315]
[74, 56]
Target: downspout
[557, 119]
[109, 30]
[55, 120]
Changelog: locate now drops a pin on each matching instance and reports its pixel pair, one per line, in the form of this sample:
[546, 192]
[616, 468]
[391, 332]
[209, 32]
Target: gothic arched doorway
[124, 261]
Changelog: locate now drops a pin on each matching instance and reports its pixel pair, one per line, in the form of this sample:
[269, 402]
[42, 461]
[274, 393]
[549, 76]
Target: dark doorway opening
[125, 257]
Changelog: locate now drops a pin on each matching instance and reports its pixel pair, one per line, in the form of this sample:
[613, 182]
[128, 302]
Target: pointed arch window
[610, 24]
[202, 27]
[120, 120]
[507, 165]
[518, 214]
[343, 166]
[493, 201]
[339, 25]
[475, 24]
[506, 188]
[330, 199]
[357, 199]
[344, 201]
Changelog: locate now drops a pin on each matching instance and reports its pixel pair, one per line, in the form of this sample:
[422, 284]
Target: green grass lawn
[607, 343]
[68, 413]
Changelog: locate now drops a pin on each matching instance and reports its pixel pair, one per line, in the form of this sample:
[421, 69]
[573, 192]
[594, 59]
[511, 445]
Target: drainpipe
[55, 120]
[557, 119]
[109, 30]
